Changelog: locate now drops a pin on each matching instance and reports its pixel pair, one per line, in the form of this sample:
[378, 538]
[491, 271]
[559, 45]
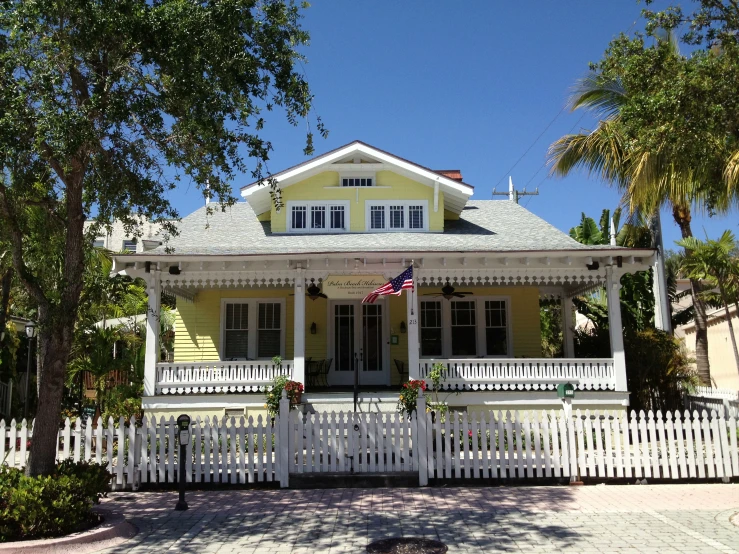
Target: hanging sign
[351, 287]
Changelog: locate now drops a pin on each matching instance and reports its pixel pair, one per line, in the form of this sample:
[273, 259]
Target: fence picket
[519, 444]
[77, 435]
[699, 458]
[131, 465]
[242, 434]
[3, 433]
[260, 448]
[248, 448]
[466, 441]
[707, 445]
[198, 437]
[724, 442]
[653, 445]
[475, 447]
[582, 453]
[438, 453]
[716, 438]
[643, 442]
[734, 453]
[485, 446]
[670, 430]
[526, 440]
[448, 446]
[172, 462]
[24, 442]
[662, 445]
[12, 439]
[558, 462]
[590, 452]
[607, 455]
[680, 444]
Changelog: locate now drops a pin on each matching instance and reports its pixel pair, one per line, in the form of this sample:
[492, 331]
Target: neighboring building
[118, 240]
[261, 281]
[724, 373]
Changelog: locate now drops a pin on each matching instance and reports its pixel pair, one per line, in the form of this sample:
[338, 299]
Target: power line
[530, 146]
[545, 163]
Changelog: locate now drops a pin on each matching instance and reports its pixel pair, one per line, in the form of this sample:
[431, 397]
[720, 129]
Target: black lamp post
[183, 427]
[30, 333]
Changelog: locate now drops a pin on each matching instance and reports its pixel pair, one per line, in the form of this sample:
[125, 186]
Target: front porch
[485, 332]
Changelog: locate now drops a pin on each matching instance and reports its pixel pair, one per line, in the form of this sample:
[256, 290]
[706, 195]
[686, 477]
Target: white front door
[359, 336]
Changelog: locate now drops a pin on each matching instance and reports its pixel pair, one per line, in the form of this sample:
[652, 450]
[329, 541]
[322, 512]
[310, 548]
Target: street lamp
[30, 333]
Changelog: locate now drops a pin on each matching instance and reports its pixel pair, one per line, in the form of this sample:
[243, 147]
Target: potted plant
[294, 392]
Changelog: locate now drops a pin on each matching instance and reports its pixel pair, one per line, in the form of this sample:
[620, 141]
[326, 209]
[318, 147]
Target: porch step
[368, 402]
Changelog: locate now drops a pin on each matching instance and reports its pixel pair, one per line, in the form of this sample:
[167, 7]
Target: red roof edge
[455, 174]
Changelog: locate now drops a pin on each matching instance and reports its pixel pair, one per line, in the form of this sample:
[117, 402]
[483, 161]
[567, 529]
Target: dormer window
[394, 215]
[317, 217]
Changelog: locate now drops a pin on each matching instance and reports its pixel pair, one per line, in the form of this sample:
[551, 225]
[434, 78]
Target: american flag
[394, 286]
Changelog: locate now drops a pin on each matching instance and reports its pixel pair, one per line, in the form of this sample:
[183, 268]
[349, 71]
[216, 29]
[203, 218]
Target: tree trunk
[682, 218]
[731, 325]
[56, 335]
[5, 297]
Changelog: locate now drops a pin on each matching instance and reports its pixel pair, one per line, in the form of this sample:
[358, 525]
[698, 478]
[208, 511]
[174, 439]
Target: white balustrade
[213, 377]
[522, 374]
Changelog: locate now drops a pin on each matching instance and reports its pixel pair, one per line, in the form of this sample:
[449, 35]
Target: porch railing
[523, 374]
[213, 377]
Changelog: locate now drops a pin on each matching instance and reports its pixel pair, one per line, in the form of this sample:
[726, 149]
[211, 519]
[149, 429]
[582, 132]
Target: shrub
[51, 505]
[280, 383]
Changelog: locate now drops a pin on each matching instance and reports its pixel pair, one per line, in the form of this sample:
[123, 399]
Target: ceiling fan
[448, 292]
[313, 291]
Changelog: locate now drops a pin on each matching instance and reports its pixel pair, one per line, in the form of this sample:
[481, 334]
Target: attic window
[357, 181]
[317, 216]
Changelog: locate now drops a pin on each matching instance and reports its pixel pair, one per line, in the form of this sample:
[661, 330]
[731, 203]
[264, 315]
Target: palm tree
[647, 180]
[712, 261]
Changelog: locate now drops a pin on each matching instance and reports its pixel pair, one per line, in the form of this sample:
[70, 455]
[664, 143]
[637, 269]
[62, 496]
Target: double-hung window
[396, 215]
[252, 329]
[236, 331]
[496, 328]
[129, 245]
[317, 217]
[464, 325]
[269, 331]
[431, 328]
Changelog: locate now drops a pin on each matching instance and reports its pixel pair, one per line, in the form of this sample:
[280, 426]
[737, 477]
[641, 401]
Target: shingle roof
[484, 226]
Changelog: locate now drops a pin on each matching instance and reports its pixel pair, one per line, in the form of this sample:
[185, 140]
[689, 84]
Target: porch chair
[400, 364]
[324, 370]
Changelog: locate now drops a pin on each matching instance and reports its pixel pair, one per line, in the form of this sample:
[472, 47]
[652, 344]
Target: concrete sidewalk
[598, 519]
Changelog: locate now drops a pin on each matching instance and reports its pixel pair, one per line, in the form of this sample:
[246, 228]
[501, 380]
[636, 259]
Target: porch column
[299, 327]
[615, 328]
[568, 327]
[154, 290]
[413, 346]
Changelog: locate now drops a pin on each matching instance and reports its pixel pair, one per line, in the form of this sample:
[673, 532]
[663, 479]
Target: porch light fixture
[30, 329]
[30, 333]
[403, 328]
[313, 328]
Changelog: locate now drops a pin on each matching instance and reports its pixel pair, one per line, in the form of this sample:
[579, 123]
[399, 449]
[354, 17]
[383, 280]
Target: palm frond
[603, 97]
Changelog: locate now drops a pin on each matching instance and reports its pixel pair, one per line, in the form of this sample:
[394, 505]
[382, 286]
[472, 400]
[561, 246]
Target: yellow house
[285, 275]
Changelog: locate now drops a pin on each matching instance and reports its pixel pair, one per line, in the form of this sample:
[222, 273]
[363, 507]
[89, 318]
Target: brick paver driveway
[598, 519]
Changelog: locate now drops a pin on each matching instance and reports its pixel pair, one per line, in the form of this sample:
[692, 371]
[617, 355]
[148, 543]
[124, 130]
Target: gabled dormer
[360, 189]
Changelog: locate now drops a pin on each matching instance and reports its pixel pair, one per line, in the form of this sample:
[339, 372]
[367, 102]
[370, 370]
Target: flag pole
[413, 290]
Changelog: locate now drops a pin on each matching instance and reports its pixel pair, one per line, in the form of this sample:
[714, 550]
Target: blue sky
[461, 85]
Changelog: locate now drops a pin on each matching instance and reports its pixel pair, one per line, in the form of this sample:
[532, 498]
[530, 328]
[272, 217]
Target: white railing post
[152, 334]
[614, 327]
[420, 448]
[413, 344]
[299, 327]
[283, 442]
[568, 327]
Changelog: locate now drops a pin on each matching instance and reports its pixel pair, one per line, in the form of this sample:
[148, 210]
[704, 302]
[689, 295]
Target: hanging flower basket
[294, 391]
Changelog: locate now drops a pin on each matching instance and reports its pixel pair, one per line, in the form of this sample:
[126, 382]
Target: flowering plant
[280, 383]
[409, 396]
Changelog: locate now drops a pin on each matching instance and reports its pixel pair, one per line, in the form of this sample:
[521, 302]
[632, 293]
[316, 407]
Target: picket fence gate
[491, 445]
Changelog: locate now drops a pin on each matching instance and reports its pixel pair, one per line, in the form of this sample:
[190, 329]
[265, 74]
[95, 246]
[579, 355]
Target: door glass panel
[372, 337]
[344, 337]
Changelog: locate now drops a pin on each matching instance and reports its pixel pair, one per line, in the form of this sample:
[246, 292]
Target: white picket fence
[229, 452]
[490, 445]
[354, 443]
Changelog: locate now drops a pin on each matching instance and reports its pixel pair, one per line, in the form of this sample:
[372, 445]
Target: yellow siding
[315, 311]
[450, 215]
[266, 216]
[325, 186]
[198, 323]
